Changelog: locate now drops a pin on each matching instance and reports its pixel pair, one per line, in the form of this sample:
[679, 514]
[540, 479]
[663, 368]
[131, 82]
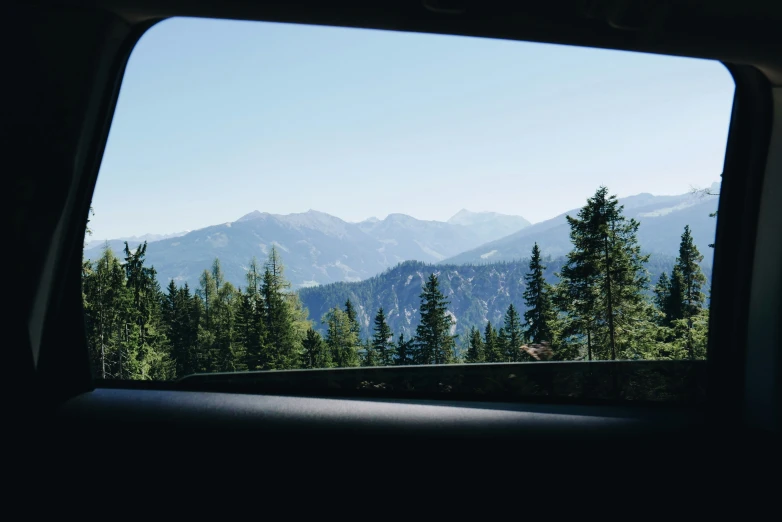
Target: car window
[278, 197]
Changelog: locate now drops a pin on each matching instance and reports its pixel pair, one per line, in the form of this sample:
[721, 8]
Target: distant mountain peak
[255, 214]
[396, 216]
[469, 218]
[463, 213]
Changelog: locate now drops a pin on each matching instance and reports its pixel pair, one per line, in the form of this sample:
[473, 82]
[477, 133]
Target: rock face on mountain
[477, 293]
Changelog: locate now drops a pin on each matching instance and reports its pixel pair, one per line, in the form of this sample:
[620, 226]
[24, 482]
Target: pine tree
[369, 356]
[511, 335]
[674, 305]
[316, 354]
[662, 297]
[475, 350]
[604, 278]
[341, 339]
[227, 352]
[172, 320]
[145, 353]
[576, 295]
[254, 278]
[434, 341]
[107, 305]
[540, 315]
[352, 317]
[404, 351]
[692, 281]
[251, 321]
[189, 313]
[207, 292]
[491, 348]
[281, 335]
[383, 340]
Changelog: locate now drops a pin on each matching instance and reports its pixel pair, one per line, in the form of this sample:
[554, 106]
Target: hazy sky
[219, 118]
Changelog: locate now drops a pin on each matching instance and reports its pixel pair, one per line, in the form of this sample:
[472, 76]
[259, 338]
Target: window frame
[63, 368]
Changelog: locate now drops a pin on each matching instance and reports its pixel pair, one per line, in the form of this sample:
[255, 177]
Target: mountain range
[318, 248]
[662, 220]
[117, 244]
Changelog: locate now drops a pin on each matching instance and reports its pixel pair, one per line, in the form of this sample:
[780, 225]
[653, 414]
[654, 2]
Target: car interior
[64, 63]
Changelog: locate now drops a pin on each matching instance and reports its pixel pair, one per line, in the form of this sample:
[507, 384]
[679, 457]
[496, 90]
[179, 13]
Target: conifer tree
[404, 351]
[511, 337]
[475, 348]
[108, 299]
[691, 285]
[281, 337]
[341, 339]
[540, 315]
[662, 297]
[383, 340]
[352, 317]
[491, 348]
[145, 353]
[316, 354]
[251, 320]
[227, 351]
[604, 278]
[208, 293]
[369, 356]
[186, 356]
[674, 305]
[434, 341]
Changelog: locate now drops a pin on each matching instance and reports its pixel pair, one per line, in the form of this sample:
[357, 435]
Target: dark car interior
[64, 63]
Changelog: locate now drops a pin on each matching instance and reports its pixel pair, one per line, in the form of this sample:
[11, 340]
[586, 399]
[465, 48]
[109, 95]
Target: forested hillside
[600, 301]
[477, 293]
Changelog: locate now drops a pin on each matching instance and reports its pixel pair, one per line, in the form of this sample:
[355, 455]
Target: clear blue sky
[216, 119]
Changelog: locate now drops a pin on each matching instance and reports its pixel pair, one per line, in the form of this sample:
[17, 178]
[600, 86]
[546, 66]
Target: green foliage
[475, 351]
[341, 339]
[540, 316]
[124, 324]
[369, 356]
[603, 283]
[405, 351]
[383, 340]
[434, 341]
[681, 303]
[316, 353]
[491, 344]
[511, 336]
[280, 312]
[601, 308]
[662, 297]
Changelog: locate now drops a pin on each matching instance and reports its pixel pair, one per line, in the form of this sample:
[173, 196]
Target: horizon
[92, 241]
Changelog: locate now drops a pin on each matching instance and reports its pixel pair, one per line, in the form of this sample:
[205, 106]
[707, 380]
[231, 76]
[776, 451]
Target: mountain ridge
[662, 220]
[318, 248]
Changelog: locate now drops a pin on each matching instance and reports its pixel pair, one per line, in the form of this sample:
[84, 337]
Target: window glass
[281, 196]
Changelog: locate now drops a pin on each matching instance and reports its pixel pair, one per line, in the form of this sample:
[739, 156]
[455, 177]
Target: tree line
[599, 309]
